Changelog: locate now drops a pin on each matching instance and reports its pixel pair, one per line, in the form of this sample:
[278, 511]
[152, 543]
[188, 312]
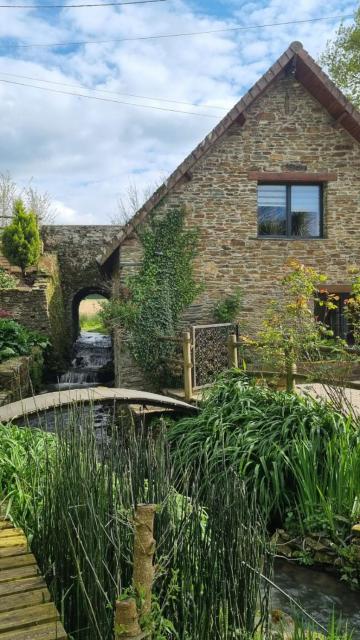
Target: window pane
[272, 210]
[305, 210]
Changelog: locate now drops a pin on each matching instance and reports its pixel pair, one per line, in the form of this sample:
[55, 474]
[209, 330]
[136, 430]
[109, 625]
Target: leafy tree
[342, 59]
[21, 239]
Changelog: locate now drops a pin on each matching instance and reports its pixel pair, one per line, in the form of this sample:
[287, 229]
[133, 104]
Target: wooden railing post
[233, 352]
[291, 368]
[187, 366]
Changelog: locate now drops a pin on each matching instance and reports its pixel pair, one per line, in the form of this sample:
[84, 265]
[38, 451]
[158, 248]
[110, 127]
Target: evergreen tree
[21, 239]
[342, 59]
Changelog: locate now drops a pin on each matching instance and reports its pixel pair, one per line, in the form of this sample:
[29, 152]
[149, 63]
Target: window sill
[288, 238]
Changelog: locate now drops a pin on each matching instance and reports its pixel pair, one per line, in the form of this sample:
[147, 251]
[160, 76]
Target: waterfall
[92, 352]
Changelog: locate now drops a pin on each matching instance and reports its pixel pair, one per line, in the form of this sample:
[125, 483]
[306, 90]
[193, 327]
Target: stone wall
[40, 307]
[77, 247]
[20, 376]
[285, 127]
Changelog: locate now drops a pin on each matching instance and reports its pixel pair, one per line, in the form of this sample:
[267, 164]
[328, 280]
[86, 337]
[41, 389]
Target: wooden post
[126, 620]
[233, 352]
[187, 366]
[291, 368]
[144, 549]
[127, 613]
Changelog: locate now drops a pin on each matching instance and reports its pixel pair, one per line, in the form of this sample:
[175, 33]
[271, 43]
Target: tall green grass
[211, 544]
[300, 456]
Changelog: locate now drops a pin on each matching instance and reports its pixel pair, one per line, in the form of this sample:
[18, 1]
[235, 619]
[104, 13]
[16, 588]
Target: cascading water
[91, 363]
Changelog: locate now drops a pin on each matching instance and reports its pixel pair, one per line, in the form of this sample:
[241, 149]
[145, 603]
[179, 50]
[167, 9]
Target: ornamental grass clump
[300, 456]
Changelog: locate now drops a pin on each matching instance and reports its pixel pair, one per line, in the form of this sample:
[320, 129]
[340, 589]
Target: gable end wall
[284, 127]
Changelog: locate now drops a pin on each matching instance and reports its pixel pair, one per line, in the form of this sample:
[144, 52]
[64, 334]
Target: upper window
[290, 210]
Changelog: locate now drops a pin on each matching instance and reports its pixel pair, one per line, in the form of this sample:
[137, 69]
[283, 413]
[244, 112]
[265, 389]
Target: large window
[290, 210]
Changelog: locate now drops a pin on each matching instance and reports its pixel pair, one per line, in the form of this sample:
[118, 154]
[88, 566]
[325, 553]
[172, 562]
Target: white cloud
[85, 152]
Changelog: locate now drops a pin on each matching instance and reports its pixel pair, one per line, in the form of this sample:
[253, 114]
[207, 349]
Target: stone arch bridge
[76, 247]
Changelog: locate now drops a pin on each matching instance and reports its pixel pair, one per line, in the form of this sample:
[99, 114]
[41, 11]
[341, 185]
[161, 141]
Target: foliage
[24, 454]
[228, 309]
[21, 239]
[352, 309]
[156, 296]
[342, 59]
[93, 322]
[17, 340]
[299, 455]
[290, 331]
[204, 588]
[7, 281]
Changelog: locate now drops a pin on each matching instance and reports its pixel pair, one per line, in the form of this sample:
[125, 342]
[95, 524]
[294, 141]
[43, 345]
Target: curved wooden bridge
[47, 401]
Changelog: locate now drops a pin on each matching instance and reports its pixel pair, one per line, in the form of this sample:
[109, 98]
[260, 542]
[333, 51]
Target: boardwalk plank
[21, 586]
[10, 532]
[30, 616]
[23, 560]
[13, 541]
[26, 610]
[7, 575]
[16, 550]
[22, 600]
[52, 631]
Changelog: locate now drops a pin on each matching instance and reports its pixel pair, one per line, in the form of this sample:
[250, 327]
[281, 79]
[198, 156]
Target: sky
[86, 152]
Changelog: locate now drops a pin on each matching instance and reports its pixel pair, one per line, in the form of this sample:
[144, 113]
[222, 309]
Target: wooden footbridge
[26, 610]
[48, 401]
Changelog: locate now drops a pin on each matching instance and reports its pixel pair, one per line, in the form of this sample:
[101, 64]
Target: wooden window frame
[288, 235]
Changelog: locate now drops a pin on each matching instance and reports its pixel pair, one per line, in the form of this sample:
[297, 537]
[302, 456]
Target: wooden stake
[187, 366]
[233, 352]
[126, 620]
[144, 549]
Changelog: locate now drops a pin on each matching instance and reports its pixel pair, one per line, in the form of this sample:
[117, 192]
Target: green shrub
[7, 281]
[21, 242]
[17, 340]
[300, 456]
[227, 309]
[24, 455]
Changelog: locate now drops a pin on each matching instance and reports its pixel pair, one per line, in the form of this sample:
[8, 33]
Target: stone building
[277, 178]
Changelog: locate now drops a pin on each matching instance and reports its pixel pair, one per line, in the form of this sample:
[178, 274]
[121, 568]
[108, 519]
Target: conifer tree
[21, 239]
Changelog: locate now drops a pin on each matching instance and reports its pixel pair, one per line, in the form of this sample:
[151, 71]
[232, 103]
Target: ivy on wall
[158, 293]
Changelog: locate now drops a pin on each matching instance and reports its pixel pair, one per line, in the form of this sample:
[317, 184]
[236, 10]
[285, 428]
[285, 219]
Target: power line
[76, 6]
[179, 35]
[113, 93]
[122, 102]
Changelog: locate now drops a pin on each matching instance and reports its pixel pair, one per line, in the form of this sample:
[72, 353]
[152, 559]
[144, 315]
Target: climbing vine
[154, 298]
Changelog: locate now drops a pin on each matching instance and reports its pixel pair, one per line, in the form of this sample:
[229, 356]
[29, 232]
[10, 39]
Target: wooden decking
[26, 610]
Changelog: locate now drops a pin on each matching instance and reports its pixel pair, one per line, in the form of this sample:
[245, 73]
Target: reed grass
[211, 544]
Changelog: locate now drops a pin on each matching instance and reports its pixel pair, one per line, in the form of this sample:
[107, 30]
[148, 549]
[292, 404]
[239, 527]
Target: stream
[319, 593]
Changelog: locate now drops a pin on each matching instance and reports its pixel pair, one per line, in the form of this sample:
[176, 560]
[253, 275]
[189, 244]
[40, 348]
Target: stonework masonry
[284, 128]
[77, 247]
